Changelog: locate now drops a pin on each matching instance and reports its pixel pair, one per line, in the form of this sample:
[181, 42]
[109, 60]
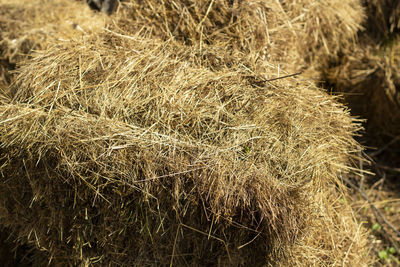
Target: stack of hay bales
[130, 148]
[368, 75]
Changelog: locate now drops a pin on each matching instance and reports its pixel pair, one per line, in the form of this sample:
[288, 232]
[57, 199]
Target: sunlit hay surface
[129, 151]
[294, 34]
[335, 238]
[383, 17]
[370, 80]
[28, 25]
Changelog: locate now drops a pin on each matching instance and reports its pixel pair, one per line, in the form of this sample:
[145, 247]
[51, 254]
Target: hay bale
[370, 80]
[28, 25]
[295, 34]
[126, 151]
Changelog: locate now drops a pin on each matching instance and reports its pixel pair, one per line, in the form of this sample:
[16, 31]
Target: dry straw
[118, 148]
[335, 238]
[28, 25]
[370, 80]
[128, 151]
[368, 74]
[295, 34]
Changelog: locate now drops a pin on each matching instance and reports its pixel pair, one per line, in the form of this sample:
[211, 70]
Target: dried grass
[370, 80]
[146, 146]
[123, 151]
[28, 25]
[295, 34]
[367, 74]
[336, 238]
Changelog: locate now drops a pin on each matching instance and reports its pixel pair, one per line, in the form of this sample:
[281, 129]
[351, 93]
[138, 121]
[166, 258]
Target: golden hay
[126, 151]
[123, 150]
[334, 239]
[370, 81]
[294, 34]
[28, 25]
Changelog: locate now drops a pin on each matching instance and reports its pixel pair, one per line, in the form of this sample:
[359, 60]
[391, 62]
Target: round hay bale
[120, 150]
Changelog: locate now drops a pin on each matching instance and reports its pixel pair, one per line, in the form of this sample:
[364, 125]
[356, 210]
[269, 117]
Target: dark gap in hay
[10, 253]
[5, 76]
[369, 81]
[94, 5]
[367, 74]
[383, 20]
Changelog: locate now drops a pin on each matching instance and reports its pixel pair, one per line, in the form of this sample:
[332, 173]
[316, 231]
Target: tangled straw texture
[30, 25]
[34, 25]
[141, 142]
[286, 32]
